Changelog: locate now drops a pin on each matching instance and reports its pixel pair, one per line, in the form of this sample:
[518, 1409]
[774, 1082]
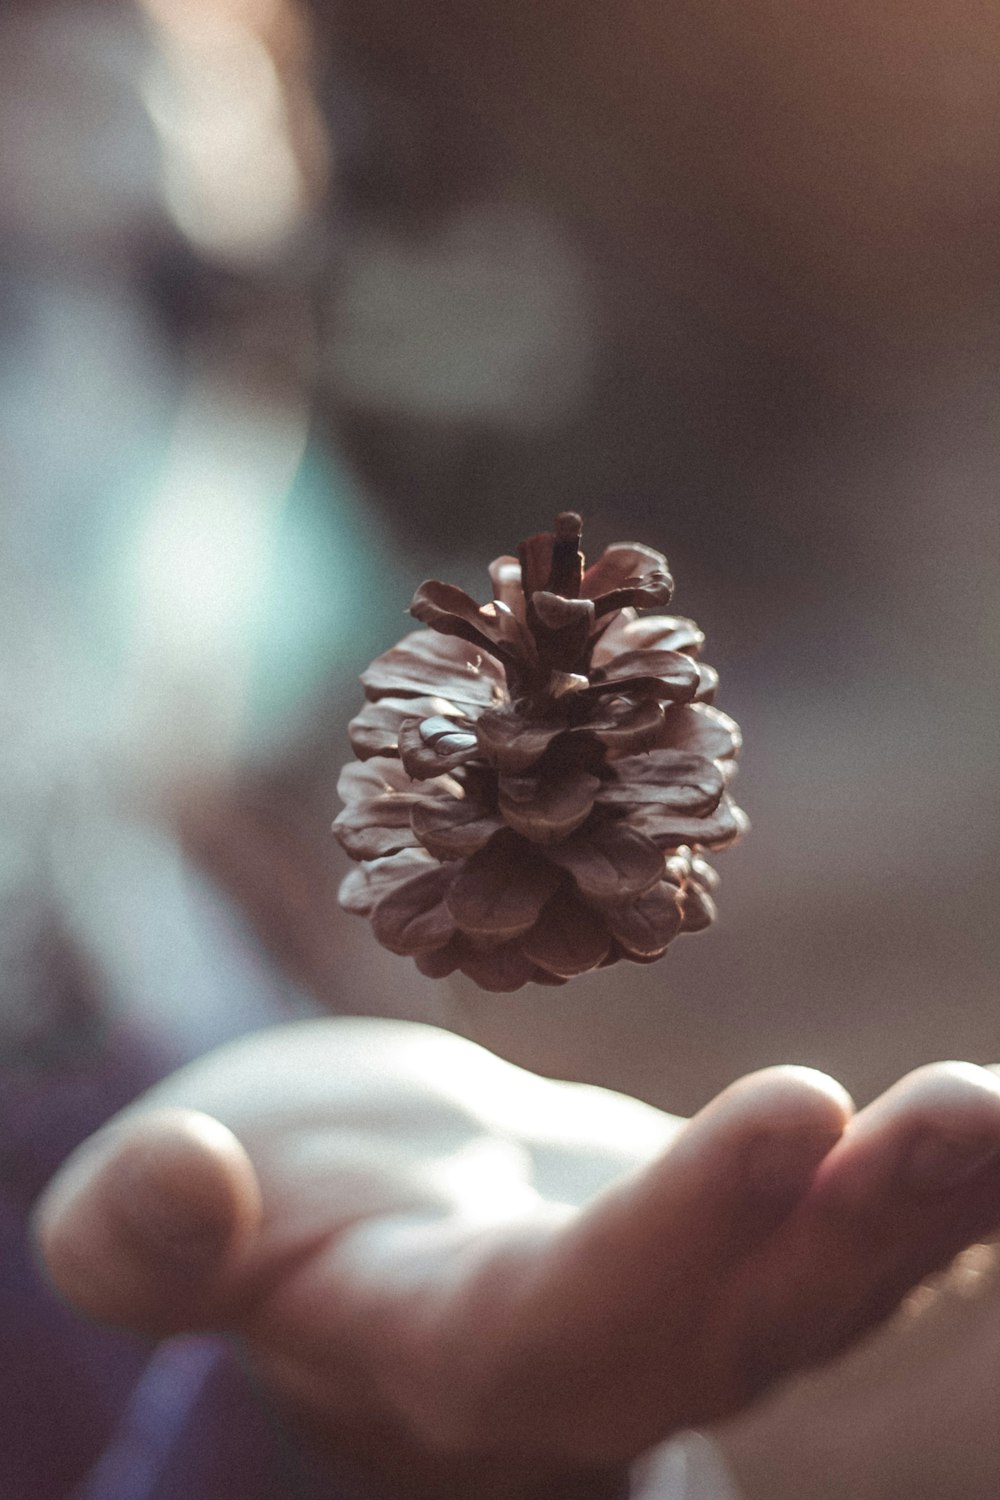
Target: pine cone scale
[567, 940]
[486, 903]
[375, 730]
[545, 809]
[502, 969]
[434, 746]
[627, 727]
[453, 828]
[415, 918]
[671, 831]
[622, 564]
[365, 885]
[701, 729]
[374, 829]
[652, 632]
[647, 927]
[509, 744]
[425, 663]
[610, 864]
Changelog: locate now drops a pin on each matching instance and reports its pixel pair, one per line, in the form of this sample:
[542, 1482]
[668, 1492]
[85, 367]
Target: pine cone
[537, 777]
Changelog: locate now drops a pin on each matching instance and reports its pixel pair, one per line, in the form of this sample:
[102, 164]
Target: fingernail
[787, 1163]
[936, 1163]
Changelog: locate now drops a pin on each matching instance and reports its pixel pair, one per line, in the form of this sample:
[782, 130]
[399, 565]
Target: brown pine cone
[537, 777]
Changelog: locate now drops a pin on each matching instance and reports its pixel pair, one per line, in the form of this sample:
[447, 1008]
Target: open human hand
[471, 1281]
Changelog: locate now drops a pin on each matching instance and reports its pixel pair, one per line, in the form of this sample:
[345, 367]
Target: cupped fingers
[914, 1180]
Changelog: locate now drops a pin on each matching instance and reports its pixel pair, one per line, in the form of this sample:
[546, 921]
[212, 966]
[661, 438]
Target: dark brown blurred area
[723, 278]
[810, 181]
[791, 220]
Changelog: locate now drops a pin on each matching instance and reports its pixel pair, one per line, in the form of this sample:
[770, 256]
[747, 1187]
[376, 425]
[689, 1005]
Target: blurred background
[303, 303]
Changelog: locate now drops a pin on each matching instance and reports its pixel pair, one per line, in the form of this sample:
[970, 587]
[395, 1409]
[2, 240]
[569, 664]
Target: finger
[729, 1179]
[914, 1180]
[550, 1339]
[146, 1224]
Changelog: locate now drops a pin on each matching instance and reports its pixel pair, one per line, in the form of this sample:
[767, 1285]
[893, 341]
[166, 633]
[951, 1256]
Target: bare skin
[472, 1281]
[909, 1415]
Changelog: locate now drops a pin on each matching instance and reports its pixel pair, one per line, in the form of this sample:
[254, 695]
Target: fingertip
[143, 1222]
[786, 1099]
[936, 1131]
[942, 1096]
[961, 1089]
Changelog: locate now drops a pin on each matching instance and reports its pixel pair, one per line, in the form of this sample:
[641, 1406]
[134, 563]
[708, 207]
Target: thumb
[148, 1222]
